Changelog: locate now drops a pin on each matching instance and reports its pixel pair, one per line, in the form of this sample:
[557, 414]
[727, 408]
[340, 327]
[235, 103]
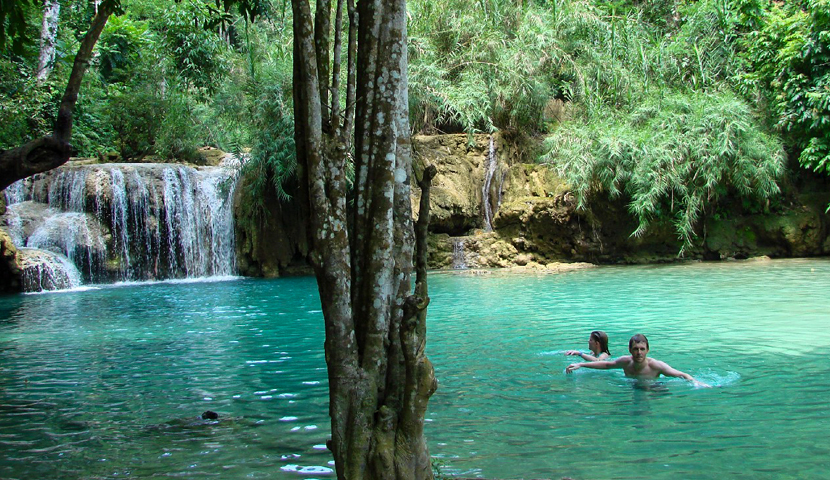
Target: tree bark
[46, 153]
[379, 377]
[48, 38]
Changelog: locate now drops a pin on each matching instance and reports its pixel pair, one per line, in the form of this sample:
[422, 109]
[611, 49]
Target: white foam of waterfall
[15, 193]
[131, 222]
[120, 225]
[44, 270]
[14, 224]
[74, 235]
[459, 258]
[65, 191]
[199, 220]
[489, 171]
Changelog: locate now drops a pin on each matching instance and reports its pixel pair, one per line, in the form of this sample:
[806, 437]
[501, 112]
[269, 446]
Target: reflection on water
[110, 382]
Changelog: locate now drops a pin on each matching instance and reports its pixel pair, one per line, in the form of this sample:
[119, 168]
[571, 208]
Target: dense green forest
[672, 104]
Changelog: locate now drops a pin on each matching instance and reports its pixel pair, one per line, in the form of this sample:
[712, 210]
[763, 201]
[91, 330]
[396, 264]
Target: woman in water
[598, 344]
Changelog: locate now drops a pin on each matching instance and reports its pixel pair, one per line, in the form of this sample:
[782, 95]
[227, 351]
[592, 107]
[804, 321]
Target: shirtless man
[637, 365]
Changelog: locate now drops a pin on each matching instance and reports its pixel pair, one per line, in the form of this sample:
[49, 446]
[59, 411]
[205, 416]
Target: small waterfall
[129, 222]
[489, 172]
[44, 270]
[459, 259]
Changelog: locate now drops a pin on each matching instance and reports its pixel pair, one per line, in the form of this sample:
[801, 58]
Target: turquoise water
[109, 382]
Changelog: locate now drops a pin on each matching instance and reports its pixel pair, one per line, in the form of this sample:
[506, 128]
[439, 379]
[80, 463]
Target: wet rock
[45, 270]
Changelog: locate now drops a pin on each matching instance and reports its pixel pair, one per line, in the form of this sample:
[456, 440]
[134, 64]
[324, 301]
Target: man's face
[638, 351]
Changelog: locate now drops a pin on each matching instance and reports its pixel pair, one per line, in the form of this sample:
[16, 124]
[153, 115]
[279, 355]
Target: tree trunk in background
[379, 377]
[48, 38]
[46, 153]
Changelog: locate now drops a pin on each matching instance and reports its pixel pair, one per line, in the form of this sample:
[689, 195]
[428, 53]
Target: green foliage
[789, 58]
[120, 47]
[92, 133]
[672, 157]
[133, 115]
[15, 25]
[26, 108]
[273, 157]
[196, 54]
[179, 135]
[476, 66]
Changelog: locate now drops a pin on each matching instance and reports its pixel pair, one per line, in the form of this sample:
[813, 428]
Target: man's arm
[602, 365]
[665, 369]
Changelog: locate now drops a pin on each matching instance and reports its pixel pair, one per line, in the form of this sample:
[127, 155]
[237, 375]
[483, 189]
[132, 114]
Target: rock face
[271, 238]
[10, 273]
[45, 270]
[458, 193]
[537, 222]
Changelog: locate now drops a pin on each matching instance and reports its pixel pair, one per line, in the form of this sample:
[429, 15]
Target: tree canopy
[168, 77]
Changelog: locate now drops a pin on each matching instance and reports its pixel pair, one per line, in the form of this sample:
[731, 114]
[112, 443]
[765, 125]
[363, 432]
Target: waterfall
[459, 259]
[129, 222]
[44, 270]
[489, 172]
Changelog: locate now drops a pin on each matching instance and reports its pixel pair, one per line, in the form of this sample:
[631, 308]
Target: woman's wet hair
[638, 338]
[602, 339]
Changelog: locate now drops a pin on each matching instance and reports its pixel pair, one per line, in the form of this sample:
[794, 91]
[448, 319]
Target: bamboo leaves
[674, 161]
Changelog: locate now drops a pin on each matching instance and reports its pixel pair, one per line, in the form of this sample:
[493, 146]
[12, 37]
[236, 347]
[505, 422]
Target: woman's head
[600, 339]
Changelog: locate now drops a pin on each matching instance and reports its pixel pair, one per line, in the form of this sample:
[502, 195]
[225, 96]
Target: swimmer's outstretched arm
[668, 371]
[600, 365]
[585, 356]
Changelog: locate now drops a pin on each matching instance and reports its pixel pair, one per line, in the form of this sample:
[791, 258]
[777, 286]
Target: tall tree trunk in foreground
[48, 38]
[46, 153]
[379, 377]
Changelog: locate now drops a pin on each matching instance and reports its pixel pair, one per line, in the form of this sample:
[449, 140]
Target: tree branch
[63, 123]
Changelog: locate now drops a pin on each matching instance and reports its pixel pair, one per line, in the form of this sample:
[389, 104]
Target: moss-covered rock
[271, 238]
[10, 272]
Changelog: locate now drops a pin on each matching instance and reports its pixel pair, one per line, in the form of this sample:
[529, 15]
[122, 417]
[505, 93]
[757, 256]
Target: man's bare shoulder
[657, 365]
[624, 360]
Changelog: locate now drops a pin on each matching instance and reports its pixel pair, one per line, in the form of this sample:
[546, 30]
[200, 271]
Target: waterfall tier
[45, 270]
[129, 222]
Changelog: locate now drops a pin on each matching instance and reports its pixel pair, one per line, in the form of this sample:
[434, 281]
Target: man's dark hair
[639, 338]
[209, 415]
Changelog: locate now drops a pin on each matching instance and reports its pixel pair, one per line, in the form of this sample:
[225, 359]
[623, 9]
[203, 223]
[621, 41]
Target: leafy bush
[789, 55]
[26, 108]
[179, 136]
[134, 116]
[273, 156]
[196, 54]
[672, 157]
[120, 47]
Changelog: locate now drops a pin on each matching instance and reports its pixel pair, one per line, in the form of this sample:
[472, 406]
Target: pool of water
[110, 382]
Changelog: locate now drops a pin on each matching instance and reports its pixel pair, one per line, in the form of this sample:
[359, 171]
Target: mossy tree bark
[379, 377]
[46, 153]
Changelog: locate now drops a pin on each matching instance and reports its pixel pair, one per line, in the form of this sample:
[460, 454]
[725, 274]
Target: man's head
[638, 347]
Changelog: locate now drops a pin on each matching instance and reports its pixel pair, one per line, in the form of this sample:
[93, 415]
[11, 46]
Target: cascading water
[129, 222]
[45, 270]
[489, 172]
[459, 258]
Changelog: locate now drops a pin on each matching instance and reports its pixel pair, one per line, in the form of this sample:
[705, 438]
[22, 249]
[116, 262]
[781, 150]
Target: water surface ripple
[110, 382]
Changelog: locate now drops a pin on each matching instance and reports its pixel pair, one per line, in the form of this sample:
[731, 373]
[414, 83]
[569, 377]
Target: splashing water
[130, 222]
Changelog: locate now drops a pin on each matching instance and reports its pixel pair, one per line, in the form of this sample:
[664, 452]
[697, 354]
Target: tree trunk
[379, 377]
[46, 153]
[48, 38]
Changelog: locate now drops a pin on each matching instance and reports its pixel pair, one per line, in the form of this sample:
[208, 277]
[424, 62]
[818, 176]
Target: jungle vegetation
[670, 105]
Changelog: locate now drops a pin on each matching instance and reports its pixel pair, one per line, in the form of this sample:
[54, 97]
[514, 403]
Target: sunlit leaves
[673, 158]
